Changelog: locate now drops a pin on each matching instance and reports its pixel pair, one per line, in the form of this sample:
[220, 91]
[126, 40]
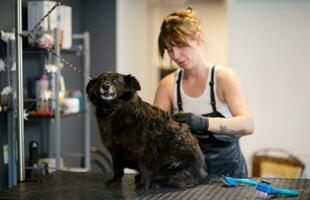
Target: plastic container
[42, 93]
[72, 105]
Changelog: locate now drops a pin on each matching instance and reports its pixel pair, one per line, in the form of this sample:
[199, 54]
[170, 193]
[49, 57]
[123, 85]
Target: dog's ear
[90, 89]
[89, 86]
[132, 81]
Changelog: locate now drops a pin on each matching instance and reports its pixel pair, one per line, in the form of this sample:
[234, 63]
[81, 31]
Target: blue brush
[264, 189]
[234, 181]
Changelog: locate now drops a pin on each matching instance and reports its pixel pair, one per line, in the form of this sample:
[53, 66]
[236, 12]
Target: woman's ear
[132, 81]
[199, 38]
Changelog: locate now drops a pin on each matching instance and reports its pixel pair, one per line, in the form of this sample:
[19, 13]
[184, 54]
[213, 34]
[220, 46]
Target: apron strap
[179, 99]
[211, 83]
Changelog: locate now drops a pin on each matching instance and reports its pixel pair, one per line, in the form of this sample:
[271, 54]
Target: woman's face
[185, 56]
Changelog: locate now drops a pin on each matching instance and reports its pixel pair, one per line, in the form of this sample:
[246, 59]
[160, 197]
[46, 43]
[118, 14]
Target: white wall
[134, 45]
[269, 46]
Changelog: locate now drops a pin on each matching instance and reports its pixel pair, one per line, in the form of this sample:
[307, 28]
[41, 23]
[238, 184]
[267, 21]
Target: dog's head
[111, 87]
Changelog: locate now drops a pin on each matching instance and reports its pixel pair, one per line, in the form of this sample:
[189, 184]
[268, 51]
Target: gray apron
[221, 151]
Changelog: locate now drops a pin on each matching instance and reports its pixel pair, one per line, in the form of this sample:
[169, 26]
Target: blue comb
[234, 181]
[264, 189]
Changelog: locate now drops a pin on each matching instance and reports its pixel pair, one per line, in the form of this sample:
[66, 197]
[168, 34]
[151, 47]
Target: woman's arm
[164, 93]
[230, 91]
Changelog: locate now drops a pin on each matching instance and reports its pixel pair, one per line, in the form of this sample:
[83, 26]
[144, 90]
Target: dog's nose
[105, 86]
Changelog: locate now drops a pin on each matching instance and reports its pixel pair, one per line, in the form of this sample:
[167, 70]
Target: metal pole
[57, 104]
[12, 136]
[86, 103]
[20, 101]
[86, 52]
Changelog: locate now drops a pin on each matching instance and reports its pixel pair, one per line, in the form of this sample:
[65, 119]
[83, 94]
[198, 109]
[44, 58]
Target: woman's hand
[196, 123]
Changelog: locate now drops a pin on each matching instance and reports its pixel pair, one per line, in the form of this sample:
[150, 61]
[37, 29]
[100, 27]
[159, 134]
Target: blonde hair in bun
[177, 27]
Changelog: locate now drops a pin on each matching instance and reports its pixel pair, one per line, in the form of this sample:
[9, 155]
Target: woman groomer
[205, 96]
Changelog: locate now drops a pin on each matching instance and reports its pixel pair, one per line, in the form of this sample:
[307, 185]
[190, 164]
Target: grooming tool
[234, 181]
[264, 190]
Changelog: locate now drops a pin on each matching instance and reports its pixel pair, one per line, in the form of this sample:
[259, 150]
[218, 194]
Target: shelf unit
[11, 121]
[57, 115]
[85, 38]
[9, 118]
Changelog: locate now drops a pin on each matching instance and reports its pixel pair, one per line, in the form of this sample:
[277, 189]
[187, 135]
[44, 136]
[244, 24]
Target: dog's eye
[116, 80]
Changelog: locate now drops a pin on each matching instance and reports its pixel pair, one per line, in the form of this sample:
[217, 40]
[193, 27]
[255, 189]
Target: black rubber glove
[197, 124]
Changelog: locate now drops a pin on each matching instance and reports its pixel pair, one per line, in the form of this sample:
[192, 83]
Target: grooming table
[81, 185]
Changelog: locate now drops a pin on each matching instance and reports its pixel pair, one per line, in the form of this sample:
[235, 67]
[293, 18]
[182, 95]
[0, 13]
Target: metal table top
[78, 185]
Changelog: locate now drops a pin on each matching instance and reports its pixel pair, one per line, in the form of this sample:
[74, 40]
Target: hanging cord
[41, 20]
[49, 49]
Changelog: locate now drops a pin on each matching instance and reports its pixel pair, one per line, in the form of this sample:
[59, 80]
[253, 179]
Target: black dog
[136, 132]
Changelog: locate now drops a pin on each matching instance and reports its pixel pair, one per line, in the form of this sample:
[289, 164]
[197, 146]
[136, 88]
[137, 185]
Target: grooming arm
[197, 124]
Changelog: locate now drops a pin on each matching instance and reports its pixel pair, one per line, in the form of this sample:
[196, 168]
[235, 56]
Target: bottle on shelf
[42, 93]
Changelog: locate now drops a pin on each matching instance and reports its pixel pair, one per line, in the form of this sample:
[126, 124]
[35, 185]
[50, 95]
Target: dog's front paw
[138, 178]
[141, 187]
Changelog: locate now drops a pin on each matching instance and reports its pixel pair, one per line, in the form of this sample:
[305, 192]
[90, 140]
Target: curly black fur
[141, 136]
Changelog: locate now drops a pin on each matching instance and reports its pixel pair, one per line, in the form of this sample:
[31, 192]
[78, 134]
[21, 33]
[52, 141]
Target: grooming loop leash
[49, 49]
